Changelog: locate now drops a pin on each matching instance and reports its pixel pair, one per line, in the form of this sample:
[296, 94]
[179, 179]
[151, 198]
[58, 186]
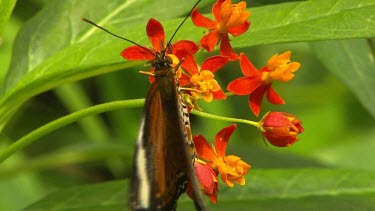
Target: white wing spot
[141, 171]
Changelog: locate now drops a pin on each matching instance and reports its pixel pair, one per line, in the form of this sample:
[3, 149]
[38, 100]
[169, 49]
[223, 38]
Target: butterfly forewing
[162, 160]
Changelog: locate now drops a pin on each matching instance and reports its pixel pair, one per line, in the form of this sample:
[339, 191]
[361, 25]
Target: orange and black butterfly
[164, 155]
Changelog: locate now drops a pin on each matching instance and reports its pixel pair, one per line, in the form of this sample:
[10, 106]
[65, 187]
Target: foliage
[54, 50]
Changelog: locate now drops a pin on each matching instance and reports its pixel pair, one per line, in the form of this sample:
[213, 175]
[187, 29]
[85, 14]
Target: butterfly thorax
[162, 65]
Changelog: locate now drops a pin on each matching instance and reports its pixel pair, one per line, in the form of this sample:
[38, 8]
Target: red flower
[207, 179]
[280, 128]
[230, 18]
[156, 35]
[257, 83]
[202, 78]
[231, 167]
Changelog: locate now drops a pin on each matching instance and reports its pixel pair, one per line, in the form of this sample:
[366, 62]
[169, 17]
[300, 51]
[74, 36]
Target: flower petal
[238, 30]
[244, 85]
[277, 119]
[201, 21]
[207, 179]
[155, 33]
[222, 138]
[204, 149]
[214, 63]
[247, 68]
[225, 179]
[280, 141]
[226, 48]
[219, 95]
[183, 47]
[189, 65]
[184, 80]
[255, 99]
[273, 97]
[216, 8]
[136, 53]
[204, 175]
[207, 96]
[285, 56]
[210, 40]
[213, 197]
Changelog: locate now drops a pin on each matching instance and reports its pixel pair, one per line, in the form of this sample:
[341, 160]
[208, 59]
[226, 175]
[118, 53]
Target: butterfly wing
[161, 160]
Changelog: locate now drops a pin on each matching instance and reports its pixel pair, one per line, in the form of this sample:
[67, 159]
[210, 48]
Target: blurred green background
[339, 131]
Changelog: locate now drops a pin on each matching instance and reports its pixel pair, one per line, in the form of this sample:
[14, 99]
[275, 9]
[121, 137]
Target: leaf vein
[107, 18]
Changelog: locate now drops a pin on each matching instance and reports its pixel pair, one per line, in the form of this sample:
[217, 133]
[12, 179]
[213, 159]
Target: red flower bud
[280, 128]
[207, 179]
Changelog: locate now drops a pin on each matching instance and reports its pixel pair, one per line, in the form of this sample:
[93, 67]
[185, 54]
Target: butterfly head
[162, 61]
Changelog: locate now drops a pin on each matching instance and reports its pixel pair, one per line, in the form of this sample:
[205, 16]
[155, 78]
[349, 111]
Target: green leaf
[310, 21]
[56, 48]
[80, 153]
[6, 8]
[20, 190]
[6, 46]
[59, 25]
[359, 147]
[294, 189]
[352, 61]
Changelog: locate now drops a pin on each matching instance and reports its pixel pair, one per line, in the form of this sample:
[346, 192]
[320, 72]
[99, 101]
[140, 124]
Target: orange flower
[156, 35]
[204, 82]
[231, 167]
[281, 68]
[207, 179]
[280, 128]
[230, 18]
[258, 83]
[201, 78]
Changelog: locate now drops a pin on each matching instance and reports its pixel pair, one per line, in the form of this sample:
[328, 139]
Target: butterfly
[165, 153]
[163, 161]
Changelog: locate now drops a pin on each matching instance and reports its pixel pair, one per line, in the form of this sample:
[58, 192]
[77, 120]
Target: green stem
[47, 128]
[74, 98]
[228, 94]
[228, 119]
[56, 124]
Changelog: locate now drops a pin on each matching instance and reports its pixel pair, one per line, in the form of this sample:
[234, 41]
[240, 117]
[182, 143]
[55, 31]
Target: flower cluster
[229, 18]
[256, 83]
[231, 167]
[197, 81]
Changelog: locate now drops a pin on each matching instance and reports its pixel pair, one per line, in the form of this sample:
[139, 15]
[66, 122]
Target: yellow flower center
[175, 61]
[204, 82]
[281, 68]
[232, 15]
[231, 168]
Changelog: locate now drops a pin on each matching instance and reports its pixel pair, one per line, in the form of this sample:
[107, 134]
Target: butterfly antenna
[170, 40]
[123, 38]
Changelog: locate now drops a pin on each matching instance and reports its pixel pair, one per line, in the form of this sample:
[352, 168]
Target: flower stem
[58, 123]
[228, 119]
[54, 125]
[228, 94]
